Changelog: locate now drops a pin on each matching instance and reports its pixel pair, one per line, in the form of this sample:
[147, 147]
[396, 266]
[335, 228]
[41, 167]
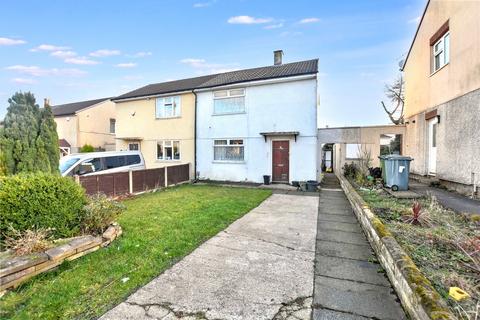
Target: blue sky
[76, 50]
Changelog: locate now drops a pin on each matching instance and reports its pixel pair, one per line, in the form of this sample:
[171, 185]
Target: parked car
[84, 164]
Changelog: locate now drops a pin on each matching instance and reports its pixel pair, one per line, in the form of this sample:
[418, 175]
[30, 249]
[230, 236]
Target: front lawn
[158, 230]
[445, 247]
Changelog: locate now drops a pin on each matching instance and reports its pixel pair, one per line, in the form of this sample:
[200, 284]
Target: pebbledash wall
[280, 105]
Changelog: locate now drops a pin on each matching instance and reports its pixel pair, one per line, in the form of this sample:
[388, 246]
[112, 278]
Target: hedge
[41, 200]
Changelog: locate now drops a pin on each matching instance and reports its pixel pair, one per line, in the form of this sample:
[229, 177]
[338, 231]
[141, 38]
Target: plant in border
[418, 216]
[87, 148]
[99, 213]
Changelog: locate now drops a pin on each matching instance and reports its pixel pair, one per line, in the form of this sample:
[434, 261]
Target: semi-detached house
[233, 126]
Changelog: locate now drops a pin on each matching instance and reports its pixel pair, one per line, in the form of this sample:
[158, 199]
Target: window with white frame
[228, 150]
[112, 125]
[167, 107]
[133, 146]
[441, 52]
[168, 150]
[229, 101]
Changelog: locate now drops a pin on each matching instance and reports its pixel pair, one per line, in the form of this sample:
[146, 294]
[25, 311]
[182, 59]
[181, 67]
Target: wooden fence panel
[121, 183]
[116, 184]
[177, 174]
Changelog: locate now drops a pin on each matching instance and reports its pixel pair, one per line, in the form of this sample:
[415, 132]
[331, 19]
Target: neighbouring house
[338, 146]
[235, 126]
[442, 95]
[86, 122]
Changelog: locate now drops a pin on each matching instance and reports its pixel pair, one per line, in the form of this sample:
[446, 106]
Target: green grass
[158, 230]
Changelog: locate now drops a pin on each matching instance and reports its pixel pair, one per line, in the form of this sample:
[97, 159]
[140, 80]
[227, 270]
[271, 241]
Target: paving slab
[348, 284]
[344, 250]
[324, 314]
[260, 267]
[361, 299]
[342, 236]
[349, 269]
[340, 226]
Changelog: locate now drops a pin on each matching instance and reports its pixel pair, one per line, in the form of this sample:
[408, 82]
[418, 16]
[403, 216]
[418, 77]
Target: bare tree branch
[394, 92]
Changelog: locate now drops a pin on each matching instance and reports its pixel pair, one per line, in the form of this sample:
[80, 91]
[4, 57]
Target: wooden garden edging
[419, 298]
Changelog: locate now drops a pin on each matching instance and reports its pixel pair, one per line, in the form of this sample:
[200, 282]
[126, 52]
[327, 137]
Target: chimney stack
[277, 57]
[46, 102]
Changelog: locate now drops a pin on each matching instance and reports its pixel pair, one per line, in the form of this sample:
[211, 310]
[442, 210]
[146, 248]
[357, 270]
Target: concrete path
[260, 267]
[348, 284]
[448, 199]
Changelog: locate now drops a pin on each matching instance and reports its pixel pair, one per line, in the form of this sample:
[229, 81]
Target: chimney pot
[277, 57]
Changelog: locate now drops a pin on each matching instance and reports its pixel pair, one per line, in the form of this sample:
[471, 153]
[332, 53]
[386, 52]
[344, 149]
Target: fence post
[77, 179]
[130, 181]
[166, 175]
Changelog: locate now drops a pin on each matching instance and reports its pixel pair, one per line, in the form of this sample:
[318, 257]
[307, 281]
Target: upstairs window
[167, 107]
[112, 125]
[441, 55]
[229, 101]
[228, 150]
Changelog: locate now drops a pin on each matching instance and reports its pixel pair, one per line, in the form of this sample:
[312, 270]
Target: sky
[70, 51]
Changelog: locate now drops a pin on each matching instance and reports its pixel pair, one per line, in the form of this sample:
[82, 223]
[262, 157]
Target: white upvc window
[228, 150]
[441, 52]
[229, 101]
[168, 150]
[133, 146]
[168, 107]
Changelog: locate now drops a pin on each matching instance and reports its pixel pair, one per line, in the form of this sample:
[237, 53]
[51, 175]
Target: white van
[90, 163]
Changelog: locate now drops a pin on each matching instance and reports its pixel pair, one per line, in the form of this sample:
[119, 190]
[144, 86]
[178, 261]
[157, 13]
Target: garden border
[419, 298]
[16, 270]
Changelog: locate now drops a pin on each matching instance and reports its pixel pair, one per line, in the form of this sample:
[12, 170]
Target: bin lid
[397, 157]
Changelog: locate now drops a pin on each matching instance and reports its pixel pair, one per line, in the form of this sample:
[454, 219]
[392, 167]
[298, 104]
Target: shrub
[28, 241]
[40, 201]
[417, 216]
[350, 170]
[87, 148]
[99, 213]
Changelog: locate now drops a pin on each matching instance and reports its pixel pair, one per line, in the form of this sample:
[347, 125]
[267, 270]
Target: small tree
[87, 148]
[29, 141]
[395, 92]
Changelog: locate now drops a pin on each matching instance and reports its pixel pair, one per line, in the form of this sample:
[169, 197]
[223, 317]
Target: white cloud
[48, 47]
[81, 61]
[290, 33]
[63, 54]
[203, 4]
[105, 53]
[24, 81]
[248, 20]
[308, 20]
[36, 71]
[140, 54]
[11, 42]
[126, 65]
[273, 26]
[196, 63]
[414, 20]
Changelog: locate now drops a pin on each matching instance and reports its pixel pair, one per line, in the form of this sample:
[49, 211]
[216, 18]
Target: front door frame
[289, 162]
[431, 149]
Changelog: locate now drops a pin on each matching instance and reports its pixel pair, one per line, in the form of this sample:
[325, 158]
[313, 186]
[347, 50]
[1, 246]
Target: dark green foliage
[99, 213]
[87, 148]
[41, 200]
[350, 170]
[29, 140]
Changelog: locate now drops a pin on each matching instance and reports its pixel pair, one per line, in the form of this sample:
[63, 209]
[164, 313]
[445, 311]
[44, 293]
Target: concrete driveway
[260, 267]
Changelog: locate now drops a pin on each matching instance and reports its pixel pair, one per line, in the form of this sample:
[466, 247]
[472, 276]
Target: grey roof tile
[70, 108]
[232, 77]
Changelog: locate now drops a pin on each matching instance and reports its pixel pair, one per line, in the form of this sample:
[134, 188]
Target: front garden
[444, 245]
[158, 230]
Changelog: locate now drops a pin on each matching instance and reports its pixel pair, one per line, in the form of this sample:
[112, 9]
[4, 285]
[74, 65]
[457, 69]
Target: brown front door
[280, 161]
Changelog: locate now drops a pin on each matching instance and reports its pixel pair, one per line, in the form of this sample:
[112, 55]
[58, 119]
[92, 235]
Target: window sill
[167, 118]
[228, 162]
[439, 69]
[168, 161]
[228, 114]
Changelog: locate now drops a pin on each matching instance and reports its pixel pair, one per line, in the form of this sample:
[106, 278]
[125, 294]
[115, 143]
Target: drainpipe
[195, 138]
